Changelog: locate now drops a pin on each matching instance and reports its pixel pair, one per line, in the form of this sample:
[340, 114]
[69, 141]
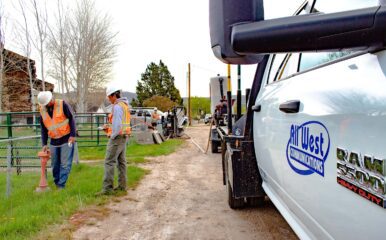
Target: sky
[174, 31]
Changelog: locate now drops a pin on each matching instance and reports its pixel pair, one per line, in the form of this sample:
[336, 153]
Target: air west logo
[308, 148]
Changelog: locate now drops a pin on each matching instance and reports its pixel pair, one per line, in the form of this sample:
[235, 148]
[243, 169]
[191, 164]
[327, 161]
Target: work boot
[104, 193]
[119, 188]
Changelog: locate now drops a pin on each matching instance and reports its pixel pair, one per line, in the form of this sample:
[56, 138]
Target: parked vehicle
[207, 118]
[313, 139]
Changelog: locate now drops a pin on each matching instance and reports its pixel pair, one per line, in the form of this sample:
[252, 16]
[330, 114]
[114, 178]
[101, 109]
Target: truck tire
[255, 201]
[214, 147]
[234, 203]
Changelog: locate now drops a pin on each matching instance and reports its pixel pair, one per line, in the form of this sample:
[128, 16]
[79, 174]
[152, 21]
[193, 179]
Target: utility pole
[189, 106]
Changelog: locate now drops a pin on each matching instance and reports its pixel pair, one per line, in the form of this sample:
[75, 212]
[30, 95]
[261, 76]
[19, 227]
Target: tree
[27, 51]
[59, 43]
[134, 103]
[85, 51]
[2, 42]
[157, 81]
[10, 63]
[162, 103]
[199, 105]
[41, 17]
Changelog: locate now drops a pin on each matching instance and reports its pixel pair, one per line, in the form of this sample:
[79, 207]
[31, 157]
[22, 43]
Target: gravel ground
[183, 198]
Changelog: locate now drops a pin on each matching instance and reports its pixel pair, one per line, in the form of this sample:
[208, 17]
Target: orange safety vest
[154, 116]
[125, 129]
[58, 126]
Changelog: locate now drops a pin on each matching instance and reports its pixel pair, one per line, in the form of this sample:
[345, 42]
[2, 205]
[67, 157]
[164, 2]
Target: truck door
[319, 140]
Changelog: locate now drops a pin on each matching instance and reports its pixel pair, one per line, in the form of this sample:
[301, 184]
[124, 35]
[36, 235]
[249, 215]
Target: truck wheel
[214, 147]
[255, 201]
[234, 203]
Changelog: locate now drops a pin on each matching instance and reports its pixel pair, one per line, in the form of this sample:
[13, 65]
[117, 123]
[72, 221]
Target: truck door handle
[256, 108]
[291, 106]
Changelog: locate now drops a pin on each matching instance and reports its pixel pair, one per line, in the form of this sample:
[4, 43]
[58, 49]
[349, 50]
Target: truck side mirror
[224, 14]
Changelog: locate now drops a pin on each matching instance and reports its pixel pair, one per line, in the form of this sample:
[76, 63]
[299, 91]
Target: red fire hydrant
[44, 157]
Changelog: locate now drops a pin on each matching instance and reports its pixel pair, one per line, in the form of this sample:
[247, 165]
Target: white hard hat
[112, 88]
[155, 109]
[44, 98]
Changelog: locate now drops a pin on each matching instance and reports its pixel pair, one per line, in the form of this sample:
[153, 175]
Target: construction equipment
[174, 122]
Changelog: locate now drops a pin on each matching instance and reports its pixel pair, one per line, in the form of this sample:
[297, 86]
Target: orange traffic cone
[44, 157]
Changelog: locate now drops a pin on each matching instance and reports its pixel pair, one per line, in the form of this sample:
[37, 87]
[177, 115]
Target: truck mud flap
[245, 177]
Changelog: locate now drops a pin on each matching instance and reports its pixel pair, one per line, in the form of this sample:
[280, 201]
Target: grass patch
[135, 153]
[26, 213]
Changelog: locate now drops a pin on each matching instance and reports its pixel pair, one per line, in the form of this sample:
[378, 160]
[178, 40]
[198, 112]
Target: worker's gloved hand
[45, 148]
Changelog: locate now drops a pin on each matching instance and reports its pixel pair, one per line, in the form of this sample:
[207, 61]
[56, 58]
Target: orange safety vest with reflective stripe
[125, 129]
[58, 126]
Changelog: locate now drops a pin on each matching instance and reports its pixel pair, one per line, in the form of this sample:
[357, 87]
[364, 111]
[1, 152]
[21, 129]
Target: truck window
[310, 60]
[276, 62]
[283, 65]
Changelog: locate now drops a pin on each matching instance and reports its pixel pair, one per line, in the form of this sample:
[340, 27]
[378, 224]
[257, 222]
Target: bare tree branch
[28, 53]
[82, 47]
[41, 18]
[2, 65]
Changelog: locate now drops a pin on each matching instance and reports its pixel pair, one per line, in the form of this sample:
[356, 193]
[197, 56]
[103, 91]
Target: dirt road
[183, 198]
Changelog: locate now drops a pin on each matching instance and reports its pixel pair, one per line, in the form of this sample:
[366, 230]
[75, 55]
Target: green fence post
[9, 168]
[9, 125]
[92, 126]
[36, 127]
[10, 145]
[97, 130]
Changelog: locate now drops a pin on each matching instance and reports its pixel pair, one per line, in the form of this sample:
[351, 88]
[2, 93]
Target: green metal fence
[89, 134]
[20, 136]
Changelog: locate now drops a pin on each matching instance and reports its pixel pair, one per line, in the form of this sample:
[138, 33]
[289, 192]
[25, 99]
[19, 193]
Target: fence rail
[20, 136]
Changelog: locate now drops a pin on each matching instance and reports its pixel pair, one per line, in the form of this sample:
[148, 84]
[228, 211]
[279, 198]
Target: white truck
[314, 136]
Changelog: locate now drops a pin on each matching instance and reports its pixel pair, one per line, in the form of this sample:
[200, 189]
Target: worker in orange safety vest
[118, 130]
[57, 123]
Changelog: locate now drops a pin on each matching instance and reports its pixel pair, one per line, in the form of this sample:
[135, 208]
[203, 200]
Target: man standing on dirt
[118, 130]
[57, 122]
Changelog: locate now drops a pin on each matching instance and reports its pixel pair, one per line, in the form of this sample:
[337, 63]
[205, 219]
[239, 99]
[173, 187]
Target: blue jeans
[61, 157]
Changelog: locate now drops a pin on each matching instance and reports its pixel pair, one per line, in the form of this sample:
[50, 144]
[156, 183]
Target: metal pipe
[238, 113]
[229, 99]
[221, 82]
